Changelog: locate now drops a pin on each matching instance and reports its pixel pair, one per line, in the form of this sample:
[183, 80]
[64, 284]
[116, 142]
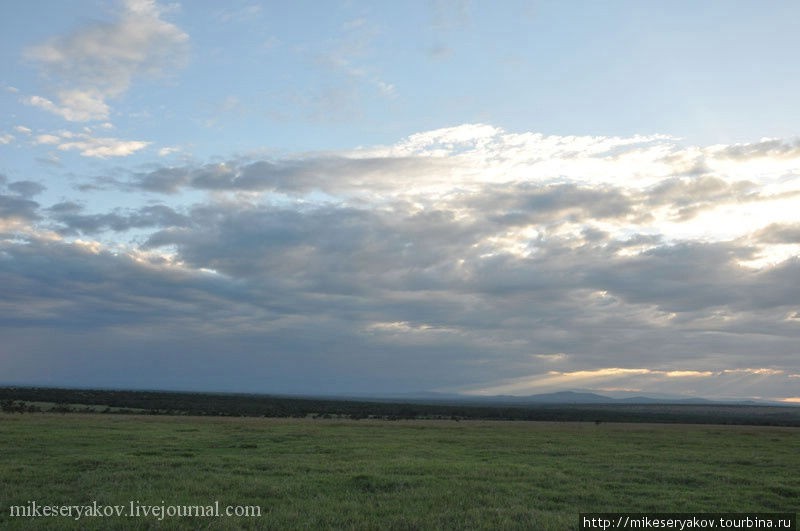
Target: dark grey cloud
[16, 207]
[334, 297]
[678, 278]
[343, 250]
[26, 188]
[686, 197]
[330, 174]
[124, 316]
[524, 204]
[77, 287]
[163, 180]
[72, 221]
[689, 196]
[65, 207]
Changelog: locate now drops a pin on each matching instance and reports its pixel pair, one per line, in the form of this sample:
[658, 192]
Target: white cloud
[6, 139]
[168, 150]
[387, 89]
[47, 139]
[751, 371]
[91, 146]
[103, 147]
[75, 105]
[22, 129]
[101, 60]
[551, 357]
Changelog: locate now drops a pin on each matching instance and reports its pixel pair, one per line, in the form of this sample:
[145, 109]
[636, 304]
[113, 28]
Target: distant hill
[559, 397]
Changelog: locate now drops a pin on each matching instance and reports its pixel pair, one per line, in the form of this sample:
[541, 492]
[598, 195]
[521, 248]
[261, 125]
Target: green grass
[313, 474]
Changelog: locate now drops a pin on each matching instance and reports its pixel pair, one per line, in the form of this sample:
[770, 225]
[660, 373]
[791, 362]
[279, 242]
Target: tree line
[25, 400]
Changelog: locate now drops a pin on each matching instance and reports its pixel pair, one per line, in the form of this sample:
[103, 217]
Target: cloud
[591, 185]
[552, 357]
[525, 204]
[26, 188]
[15, 207]
[162, 180]
[164, 151]
[17, 210]
[774, 147]
[22, 129]
[73, 221]
[333, 287]
[102, 147]
[76, 105]
[763, 371]
[686, 197]
[47, 139]
[779, 233]
[162, 287]
[6, 139]
[101, 60]
[91, 146]
[499, 262]
[475, 154]
[298, 176]
[402, 249]
[136, 300]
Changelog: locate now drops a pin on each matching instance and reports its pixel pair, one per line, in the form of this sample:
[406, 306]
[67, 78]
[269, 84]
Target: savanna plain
[377, 474]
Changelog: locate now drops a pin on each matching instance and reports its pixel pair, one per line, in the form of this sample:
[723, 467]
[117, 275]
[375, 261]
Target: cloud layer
[463, 259]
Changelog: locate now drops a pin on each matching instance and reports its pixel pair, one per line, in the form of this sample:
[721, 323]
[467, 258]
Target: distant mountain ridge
[564, 397]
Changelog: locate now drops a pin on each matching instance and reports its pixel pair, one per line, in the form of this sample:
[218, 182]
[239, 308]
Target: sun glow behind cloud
[735, 203]
[603, 379]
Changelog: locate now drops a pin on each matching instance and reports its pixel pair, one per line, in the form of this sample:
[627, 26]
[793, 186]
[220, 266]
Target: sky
[396, 197]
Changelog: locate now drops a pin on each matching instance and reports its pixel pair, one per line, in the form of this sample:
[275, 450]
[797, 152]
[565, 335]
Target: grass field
[378, 474]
